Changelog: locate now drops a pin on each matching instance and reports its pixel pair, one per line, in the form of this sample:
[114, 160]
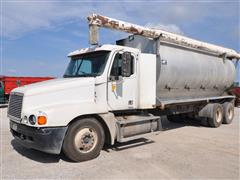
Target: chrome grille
[15, 106]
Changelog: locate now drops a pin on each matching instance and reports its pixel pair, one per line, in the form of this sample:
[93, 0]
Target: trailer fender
[206, 111]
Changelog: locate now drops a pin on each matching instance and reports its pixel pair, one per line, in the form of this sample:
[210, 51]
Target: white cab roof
[106, 47]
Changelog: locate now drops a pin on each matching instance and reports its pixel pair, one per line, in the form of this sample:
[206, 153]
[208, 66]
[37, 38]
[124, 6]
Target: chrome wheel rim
[218, 115]
[85, 140]
[230, 113]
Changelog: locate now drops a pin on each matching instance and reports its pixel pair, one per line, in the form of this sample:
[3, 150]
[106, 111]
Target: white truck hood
[54, 85]
[61, 100]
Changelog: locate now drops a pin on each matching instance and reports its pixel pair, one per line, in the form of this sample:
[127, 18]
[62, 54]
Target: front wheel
[84, 140]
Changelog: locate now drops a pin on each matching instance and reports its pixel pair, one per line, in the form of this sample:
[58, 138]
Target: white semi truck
[117, 93]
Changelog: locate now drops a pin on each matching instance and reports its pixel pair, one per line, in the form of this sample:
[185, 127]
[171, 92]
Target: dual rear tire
[219, 114]
[228, 112]
[213, 115]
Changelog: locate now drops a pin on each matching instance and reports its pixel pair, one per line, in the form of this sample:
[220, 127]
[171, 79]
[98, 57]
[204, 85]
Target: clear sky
[38, 35]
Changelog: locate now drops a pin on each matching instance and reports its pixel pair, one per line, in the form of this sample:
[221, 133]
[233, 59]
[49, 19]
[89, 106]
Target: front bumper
[45, 139]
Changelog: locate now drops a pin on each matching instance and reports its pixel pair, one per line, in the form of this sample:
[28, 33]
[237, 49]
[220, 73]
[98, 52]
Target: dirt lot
[183, 150]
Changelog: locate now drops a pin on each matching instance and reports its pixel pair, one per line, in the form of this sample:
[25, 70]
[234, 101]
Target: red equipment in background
[236, 91]
[8, 83]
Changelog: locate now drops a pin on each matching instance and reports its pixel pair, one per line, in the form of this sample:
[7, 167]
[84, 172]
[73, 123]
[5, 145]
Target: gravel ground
[182, 151]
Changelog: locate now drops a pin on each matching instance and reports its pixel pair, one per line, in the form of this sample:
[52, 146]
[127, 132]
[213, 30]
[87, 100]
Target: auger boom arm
[96, 21]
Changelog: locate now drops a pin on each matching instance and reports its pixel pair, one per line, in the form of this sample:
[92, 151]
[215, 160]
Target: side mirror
[126, 64]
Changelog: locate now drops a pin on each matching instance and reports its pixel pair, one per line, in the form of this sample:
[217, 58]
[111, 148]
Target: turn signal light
[42, 120]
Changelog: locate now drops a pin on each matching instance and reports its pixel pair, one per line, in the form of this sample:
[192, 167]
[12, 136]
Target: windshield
[87, 65]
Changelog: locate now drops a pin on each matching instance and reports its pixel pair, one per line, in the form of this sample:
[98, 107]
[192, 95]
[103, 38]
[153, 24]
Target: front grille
[15, 106]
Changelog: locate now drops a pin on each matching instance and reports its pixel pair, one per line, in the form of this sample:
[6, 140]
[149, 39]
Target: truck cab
[97, 82]
[114, 69]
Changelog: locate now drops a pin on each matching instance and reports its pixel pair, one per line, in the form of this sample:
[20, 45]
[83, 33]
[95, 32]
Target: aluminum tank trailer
[117, 93]
[185, 74]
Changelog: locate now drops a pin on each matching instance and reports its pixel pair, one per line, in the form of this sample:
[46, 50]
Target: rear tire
[228, 112]
[216, 118]
[84, 140]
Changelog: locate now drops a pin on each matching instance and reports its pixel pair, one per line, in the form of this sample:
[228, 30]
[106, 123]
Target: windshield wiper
[82, 72]
[80, 75]
[65, 76]
[86, 75]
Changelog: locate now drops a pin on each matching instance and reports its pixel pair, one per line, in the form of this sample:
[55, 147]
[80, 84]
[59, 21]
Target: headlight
[32, 119]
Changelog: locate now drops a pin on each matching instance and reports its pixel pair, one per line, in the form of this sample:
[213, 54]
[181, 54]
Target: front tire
[84, 140]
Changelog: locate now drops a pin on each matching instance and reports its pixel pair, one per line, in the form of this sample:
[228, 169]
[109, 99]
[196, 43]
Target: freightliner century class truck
[117, 93]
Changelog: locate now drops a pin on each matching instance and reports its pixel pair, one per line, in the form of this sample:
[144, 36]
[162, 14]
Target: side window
[117, 65]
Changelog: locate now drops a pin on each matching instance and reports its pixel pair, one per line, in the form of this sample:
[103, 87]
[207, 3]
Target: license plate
[14, 126]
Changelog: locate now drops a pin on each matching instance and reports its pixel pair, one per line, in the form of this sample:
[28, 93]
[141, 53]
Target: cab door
[122, 82]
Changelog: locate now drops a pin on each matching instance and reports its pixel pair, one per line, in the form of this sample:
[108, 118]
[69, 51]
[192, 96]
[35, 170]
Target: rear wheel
[84, 140]
[216, 118]
[228, 112]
